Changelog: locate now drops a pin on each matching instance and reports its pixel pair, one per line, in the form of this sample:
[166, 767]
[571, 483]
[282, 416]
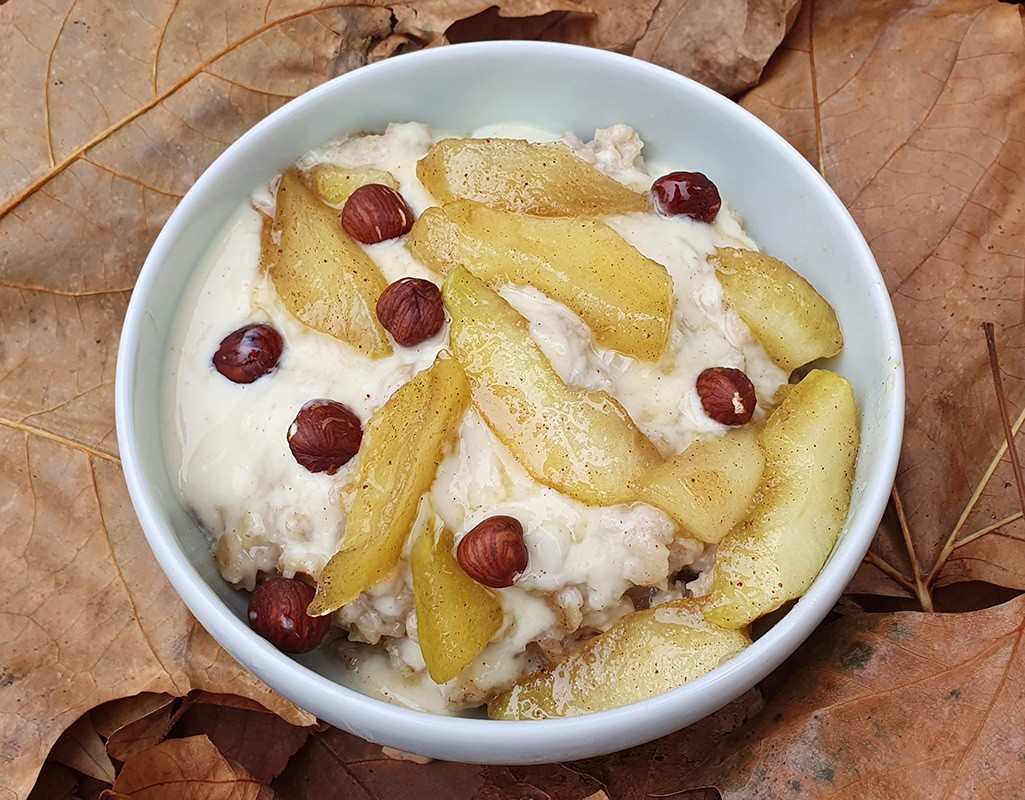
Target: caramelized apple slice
[548, 179]
[581, 443]
[334, 184]
[773, 555]
[708, 487]
[455, 616]
[401, 450]
[624, 297]
[321, 275]
[644, 654]
[787, 316]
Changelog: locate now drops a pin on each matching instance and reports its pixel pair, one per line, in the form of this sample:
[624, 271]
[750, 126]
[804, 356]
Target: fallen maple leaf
[645, 770]
[907, 705]
[187, 769]
[131, 725]
[88, 617]
[915, 116]
[80, 748]
[337, 764]
[722, 43]
[247, 734]
[117, 714]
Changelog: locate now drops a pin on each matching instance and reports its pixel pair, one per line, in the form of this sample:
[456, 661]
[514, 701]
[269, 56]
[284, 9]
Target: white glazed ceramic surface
[788, 209]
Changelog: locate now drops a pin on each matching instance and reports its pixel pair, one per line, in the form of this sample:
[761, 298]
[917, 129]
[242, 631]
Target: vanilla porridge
[242, 436]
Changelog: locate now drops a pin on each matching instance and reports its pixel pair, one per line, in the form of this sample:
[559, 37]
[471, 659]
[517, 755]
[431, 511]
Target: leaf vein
[53, 437]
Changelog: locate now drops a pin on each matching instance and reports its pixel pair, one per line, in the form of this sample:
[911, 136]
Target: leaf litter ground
[912, 112]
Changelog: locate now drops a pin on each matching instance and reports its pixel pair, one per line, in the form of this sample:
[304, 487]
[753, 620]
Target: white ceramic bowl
[788, 209]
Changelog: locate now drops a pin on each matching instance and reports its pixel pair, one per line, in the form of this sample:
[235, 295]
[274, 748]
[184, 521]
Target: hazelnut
[324, 436]
[411, 310]
[727, 395]
[493, 552]
[688, 194]
[249, 353]
[376, 212]
[277, 611]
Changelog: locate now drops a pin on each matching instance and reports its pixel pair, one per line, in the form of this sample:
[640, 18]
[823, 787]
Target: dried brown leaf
[111, 717]
[143, 733]
[428, 20]
[907, 705]
[56, 782]
[544, 781]
[915, 116]
[88, 615]
[350, 767]
[81, 749]
[244, 732]
[335, 764]
[722, 43]
[657, 768]
[187, 769]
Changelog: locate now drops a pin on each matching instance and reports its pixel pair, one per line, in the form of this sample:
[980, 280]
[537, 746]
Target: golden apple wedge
[402, 448]
[456, 617]
[546, 179]
[645, 654]
[322, 276]
[624, 297]
[582, 443]
[775, 552]
[708, 487]
[792, 321]
[334, 184]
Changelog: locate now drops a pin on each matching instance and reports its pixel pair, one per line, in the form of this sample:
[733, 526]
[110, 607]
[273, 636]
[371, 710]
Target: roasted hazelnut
[324, 436]
[411, 310]
[277, 611]
[376, 212]
[493, 552]
[727, 395]
[249, 353]
[688, 194]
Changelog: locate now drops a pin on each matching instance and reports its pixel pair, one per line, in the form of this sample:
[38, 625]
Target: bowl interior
[788, 209]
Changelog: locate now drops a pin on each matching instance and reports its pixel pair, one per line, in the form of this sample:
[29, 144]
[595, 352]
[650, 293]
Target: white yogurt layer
[226, 442]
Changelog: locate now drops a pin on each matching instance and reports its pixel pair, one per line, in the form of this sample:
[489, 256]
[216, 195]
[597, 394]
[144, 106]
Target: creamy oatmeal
[588, 565]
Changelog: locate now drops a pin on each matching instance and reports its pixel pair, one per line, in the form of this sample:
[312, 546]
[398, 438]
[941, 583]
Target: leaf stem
[53, 437]
[897, 575]
[971, 537]
[950, 546]
[998, 385]
[921, 589]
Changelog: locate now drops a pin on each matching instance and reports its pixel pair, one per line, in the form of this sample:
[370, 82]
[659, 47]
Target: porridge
[492, 492]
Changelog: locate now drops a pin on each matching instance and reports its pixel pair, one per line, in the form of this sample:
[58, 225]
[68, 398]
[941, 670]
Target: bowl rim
[524, 741]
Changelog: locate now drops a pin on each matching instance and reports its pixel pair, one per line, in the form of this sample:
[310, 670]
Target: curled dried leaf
[187, 769]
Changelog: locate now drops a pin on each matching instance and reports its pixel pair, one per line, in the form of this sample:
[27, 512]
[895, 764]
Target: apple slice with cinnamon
[542, 178]
[801, 503]
[403, 444]
[322, 276]
[581, 443]
[644, 654]
[622, 295]
[455, 616]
